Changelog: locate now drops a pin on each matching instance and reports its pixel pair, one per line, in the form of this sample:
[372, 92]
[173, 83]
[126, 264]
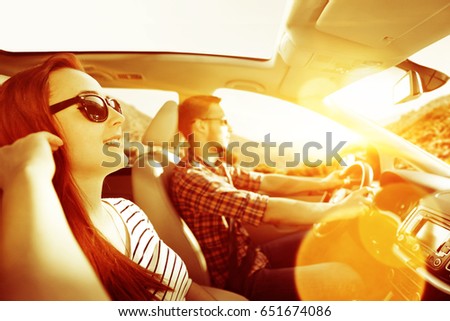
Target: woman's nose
[115, 117]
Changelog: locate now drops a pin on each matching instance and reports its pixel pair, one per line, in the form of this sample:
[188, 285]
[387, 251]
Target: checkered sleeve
[242, 179]
[209, 193]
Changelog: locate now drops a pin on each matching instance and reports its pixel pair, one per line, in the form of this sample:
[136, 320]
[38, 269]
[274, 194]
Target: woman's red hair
[24, 109]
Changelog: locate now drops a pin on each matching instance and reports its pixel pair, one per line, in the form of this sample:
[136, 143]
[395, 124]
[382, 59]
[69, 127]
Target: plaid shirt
[210, 198]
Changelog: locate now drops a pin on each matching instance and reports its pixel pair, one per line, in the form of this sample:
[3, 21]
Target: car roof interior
[325, 45]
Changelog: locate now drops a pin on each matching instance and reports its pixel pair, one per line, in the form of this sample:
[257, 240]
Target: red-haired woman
[56, 106]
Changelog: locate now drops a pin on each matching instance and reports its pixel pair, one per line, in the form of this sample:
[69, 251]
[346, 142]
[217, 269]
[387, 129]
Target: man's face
[218, 129]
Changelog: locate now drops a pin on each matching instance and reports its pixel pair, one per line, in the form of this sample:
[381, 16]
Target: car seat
[150, 178]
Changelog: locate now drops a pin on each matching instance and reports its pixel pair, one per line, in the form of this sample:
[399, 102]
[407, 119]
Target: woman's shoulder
[125, 207]
[119, 202]
[131, 214]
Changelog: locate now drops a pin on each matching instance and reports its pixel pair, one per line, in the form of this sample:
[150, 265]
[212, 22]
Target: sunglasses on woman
[92, 106]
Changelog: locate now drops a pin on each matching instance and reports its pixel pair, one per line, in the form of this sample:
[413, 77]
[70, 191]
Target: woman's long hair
[24, 109]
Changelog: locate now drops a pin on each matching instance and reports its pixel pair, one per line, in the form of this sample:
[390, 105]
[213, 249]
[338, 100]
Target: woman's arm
[41, 260]
[199, 292]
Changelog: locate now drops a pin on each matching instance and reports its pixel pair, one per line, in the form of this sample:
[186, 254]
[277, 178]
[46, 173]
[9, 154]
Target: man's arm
[213, 196]
[200, 192]
[284, 185]
[293, 212]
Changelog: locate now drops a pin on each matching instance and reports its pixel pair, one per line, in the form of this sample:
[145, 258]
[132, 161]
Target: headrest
[3, 78]
[164, 126]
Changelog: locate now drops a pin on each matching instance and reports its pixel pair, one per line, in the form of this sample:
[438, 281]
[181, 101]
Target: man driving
[216, 199]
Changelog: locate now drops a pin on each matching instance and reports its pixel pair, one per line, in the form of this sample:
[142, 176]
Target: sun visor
[376, 25]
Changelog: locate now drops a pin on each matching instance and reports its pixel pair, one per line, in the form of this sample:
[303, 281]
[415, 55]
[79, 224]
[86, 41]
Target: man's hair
[193, 108]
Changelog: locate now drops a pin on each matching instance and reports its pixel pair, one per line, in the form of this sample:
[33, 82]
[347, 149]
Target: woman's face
[92, 147]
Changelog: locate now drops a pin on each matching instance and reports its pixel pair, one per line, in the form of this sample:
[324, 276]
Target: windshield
[372, 96]
[423, 121]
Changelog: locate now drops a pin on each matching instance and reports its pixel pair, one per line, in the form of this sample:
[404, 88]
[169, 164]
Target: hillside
[428, 127]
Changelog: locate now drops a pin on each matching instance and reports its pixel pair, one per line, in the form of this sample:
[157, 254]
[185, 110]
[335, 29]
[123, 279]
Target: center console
[423, 245]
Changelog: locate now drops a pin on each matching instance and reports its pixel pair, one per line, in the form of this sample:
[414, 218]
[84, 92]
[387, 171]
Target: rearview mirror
[418, 79]
[409, 87]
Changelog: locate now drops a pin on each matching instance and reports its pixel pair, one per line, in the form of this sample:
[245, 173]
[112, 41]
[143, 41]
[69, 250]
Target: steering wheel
[360, 173]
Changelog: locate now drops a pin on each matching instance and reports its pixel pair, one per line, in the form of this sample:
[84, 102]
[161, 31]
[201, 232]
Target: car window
[289, 128]
[235, 27]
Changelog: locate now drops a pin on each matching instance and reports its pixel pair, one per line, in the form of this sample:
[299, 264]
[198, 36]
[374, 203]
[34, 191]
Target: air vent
[130, 76]
[97, 74]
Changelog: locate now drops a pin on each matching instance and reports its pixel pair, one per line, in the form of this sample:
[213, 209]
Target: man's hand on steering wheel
[354, 205]
[334, 180]
[358, 173]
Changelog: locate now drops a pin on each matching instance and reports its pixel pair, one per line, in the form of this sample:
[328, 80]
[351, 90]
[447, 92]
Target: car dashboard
[422, 242]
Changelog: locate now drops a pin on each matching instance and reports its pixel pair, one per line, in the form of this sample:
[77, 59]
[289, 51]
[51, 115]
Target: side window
[273, 135]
